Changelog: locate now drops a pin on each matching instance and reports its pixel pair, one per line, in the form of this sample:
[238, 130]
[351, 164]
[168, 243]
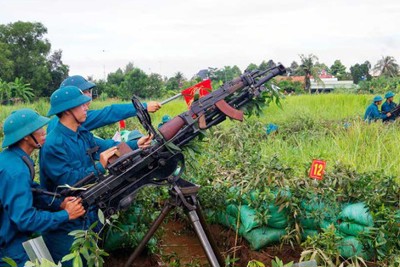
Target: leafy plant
[86, 245]
[279, 263]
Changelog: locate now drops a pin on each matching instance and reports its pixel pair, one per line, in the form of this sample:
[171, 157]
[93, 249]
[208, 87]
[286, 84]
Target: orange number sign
[317, 169]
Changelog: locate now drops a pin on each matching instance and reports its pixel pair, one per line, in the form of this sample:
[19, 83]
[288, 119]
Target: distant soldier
[389, 105]
[372, 113]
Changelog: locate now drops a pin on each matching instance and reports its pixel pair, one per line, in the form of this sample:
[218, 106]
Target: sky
[166, 36]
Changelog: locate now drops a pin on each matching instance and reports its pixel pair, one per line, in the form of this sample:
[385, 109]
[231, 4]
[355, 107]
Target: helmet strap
[39, 146]
[76, 120]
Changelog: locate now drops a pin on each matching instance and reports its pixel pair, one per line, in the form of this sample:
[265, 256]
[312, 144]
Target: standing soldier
[102, 117]
[71, 153]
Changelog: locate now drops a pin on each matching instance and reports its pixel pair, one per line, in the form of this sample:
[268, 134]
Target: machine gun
[158, 164]
[163, 162]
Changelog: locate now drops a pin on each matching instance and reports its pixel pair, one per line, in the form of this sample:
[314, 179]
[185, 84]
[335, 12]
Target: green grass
[310, 127]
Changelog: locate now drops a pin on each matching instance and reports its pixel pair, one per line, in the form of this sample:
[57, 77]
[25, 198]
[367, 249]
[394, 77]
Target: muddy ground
[180, 247]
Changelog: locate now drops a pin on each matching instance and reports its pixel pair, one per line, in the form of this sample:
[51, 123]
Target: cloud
[175, 35]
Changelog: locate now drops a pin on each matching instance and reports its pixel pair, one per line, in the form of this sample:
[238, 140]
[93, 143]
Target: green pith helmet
[378, 98]
[165, 118]
[389, 94]
[134, 135]
[66, 98]
[79, 82]
[21, 123]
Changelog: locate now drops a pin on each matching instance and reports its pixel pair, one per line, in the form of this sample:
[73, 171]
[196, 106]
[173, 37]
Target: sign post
[317, 169]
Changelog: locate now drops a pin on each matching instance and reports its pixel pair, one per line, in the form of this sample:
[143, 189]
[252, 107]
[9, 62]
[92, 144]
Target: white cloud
[176, 35]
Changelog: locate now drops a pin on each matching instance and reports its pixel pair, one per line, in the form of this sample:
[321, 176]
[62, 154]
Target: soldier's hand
[153, 106]
[388, 114]
[74, 207]
[145, 141]
[106, 154]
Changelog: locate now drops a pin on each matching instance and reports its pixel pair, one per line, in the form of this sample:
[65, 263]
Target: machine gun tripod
[184, 194]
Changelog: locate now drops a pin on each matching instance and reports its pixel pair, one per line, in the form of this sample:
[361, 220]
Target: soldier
[372, 112]
[70, 154]
[389, 105]
[23, 133]
[102, 117]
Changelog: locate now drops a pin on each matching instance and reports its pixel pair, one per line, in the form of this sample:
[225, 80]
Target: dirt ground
[180, 247]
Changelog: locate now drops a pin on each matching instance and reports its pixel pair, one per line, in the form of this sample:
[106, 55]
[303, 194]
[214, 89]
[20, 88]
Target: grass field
[325, 126]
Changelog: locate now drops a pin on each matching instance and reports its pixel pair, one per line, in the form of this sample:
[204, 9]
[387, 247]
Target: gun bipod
[184, 194]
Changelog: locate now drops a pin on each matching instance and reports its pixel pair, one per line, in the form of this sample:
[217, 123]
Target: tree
[134, 83]
[58, 72]
[28, 51]
[294, 70]
[6, 63]
[307, 66]
[5, 91]
[251, 67]
[338, 69]
[387, 66]
[360, 72]
[266, 65]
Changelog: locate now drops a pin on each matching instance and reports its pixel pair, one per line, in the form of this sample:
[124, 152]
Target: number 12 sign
[317, 169]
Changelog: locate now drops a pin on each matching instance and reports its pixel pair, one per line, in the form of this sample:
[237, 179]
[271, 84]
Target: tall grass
[325, 126]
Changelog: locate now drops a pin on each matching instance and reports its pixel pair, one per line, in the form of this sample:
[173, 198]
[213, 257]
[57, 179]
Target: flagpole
[170, 99]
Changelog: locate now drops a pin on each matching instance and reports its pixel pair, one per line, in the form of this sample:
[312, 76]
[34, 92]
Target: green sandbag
[312, 205]
[397, 216]
[135, 215]
[263, 236]
[232, 210]
[247, 216]
[278, 218]
[350, 246]
[309, 223]
[117, 238]
[308, 232]
[325, 224]
[356, 213]
[352, 229]
[229, 221]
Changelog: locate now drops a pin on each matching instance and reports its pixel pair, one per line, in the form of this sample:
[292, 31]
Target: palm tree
[308, 67]
[21, 90]
[387, 66]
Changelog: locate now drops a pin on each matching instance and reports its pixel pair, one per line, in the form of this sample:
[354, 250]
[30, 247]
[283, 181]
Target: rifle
[395, 113]
[163, 162]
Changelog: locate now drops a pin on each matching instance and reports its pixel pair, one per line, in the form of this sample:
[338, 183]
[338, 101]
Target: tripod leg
[209, 236]
[203, 238]
[164, 212]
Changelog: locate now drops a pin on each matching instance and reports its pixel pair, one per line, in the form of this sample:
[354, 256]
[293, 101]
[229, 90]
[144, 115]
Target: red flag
[122, 124]
[196, 91]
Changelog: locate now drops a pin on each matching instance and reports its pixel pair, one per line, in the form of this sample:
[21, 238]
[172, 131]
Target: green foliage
[279, 263]
[387, 67]
[9, 261]
[25, 55]
[255, 263]
[43, 263]
[360, 72]
[309, 67]
[86, 244]
[338, 70]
